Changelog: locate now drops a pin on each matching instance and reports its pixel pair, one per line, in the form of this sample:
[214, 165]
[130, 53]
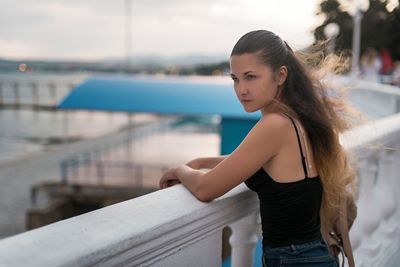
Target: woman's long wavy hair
[323, 112]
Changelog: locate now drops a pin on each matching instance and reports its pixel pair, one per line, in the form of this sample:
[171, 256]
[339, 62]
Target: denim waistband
[301, 246]
[311, 253]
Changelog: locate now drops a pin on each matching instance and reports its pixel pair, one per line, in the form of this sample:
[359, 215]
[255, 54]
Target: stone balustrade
[375, 235]
[170, 227]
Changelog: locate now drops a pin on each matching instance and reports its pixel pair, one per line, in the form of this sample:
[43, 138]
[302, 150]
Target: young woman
[291, 158]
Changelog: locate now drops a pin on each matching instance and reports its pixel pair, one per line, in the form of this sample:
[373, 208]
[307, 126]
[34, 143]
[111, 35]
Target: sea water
[25, 131]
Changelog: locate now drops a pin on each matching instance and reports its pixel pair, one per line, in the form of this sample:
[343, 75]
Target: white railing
[375, 235]
[373, 99]
[165, 228]
[172, 228]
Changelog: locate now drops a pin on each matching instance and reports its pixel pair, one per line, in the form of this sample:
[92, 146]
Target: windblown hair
[322, 110]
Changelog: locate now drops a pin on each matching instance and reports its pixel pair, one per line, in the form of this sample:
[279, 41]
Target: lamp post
[356, 8]
[331, 30]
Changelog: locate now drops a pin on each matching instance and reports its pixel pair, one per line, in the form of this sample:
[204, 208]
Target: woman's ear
[282, 74]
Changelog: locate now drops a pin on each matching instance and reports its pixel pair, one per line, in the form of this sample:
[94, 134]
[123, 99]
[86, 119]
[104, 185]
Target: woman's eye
[250, 77]
[234, 79]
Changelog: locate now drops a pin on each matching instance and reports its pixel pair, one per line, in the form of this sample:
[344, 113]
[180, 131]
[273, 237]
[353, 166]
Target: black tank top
[289, 211]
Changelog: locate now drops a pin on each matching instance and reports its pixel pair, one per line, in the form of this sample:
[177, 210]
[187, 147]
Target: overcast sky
[95, 29]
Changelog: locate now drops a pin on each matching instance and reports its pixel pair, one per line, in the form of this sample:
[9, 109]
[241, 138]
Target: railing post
[53, 94]
[1, 93]
[364, 237]
[16, 94]
[75, 164]
[385, 195]
[35, 95]
[369, 178]
[100, 168]
[397, 110]
[243, 240]
[64, 171]
[395, 180]
[387, 189]
[87, 164]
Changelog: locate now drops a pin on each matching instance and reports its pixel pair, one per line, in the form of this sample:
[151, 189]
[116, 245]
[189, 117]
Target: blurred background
[175, 37]
[50, 48]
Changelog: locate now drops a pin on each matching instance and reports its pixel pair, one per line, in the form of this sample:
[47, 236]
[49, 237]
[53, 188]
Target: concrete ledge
[137, 232]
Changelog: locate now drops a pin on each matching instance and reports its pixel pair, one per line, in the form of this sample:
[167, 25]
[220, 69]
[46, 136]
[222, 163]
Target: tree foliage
[380, 28]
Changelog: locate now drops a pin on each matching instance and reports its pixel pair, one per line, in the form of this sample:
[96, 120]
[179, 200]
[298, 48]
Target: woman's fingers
[164, 179]
[168, 179]
[173, 182]
[168, 183]
[163, 183]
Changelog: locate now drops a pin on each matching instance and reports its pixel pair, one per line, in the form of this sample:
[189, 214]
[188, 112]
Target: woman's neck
[275, 107]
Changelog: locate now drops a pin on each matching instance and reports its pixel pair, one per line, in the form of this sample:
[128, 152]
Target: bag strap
[344, 230]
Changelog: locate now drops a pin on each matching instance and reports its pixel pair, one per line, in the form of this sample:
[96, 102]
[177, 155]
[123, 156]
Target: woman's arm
[169, 178]
[263, 142]
[205, 162]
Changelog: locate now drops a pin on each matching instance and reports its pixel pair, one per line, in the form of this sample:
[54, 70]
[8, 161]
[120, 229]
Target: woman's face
[255, 83]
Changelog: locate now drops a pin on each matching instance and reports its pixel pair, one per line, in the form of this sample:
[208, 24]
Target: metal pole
[355, 69]
[128, 139]
[332, 44]
[127, 34]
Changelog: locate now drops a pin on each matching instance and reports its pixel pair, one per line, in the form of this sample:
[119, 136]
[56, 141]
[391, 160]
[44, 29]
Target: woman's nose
[241, 89]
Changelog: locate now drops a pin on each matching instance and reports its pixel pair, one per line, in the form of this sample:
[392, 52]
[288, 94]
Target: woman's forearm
[205, 162]
[191, 179]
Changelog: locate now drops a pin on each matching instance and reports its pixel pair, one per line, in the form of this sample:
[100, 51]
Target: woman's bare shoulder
[263, 142]
[277, 121]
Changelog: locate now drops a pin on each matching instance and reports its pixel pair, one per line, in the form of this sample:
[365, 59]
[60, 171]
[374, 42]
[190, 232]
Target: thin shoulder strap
[303, 159]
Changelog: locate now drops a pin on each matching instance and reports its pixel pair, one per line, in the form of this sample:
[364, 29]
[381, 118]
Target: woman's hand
[190, 178]
[169, 178]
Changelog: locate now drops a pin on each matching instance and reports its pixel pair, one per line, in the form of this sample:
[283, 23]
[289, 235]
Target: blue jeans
[313, 254]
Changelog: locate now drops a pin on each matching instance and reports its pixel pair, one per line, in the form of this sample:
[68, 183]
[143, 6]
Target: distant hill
[5, 61]
[183, 60]
[189, 59]
[185, 64]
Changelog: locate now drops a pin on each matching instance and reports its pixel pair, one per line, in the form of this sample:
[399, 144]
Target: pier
[36, 95]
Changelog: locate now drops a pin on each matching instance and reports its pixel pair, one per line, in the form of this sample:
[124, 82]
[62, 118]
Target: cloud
[18, 48]
[96, 29]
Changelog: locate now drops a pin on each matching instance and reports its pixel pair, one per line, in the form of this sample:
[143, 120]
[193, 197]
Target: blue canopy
[181, 96]
[169, 96]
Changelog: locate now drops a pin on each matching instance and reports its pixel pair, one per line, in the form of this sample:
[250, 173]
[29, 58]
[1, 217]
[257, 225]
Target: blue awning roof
[170, 96]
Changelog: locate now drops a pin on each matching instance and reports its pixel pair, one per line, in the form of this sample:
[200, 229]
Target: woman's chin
[250, 107]
[249, 110]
